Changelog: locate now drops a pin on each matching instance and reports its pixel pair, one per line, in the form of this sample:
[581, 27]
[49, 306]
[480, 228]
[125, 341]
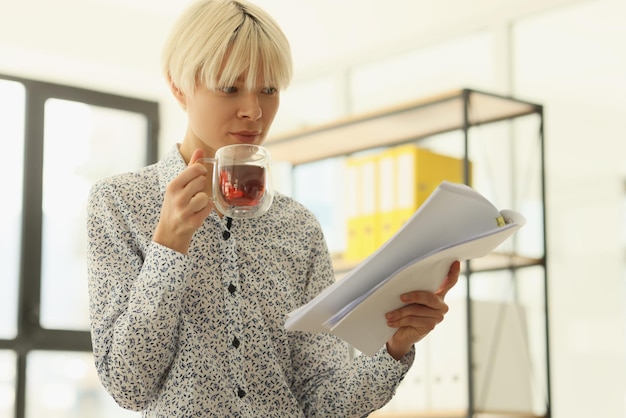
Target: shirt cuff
[166, 268]
[401, 365]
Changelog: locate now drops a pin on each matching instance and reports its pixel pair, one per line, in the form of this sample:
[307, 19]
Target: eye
[227, 89]
[270, 90]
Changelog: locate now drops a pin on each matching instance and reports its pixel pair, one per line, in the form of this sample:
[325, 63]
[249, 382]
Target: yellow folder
[352, 208]
[385, 188]
[387, 194]
[361, 207]
[418, 172]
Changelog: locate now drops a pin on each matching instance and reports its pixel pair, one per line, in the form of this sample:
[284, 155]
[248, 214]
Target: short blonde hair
[210, 30]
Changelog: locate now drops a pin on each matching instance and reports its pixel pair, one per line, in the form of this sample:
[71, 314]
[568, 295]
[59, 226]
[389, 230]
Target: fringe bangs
[252, 51]
[216, 46]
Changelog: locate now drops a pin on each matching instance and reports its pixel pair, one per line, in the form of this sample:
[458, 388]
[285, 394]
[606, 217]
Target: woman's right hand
[185, 206]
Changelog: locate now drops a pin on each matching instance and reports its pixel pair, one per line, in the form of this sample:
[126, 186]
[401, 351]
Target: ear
[178, 93]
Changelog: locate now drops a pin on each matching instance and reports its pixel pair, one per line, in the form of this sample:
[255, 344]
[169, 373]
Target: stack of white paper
[454, 223]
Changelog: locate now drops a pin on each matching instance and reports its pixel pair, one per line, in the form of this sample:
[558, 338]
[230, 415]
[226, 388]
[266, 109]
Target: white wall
[114, 45]
[574, 61]
[568, 55]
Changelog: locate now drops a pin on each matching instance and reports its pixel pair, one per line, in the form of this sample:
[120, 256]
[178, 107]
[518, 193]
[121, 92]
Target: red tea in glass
[242, 180]
[242, 184]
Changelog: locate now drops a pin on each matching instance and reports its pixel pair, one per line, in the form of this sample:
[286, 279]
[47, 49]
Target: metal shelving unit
[460, 113]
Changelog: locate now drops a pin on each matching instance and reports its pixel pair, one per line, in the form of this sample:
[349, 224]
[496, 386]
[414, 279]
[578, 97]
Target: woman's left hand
[419, 316]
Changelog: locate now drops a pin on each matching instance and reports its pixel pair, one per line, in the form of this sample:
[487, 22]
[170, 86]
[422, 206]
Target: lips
[246, 137]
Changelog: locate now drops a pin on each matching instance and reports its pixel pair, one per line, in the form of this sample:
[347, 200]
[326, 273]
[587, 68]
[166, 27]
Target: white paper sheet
[454, 223]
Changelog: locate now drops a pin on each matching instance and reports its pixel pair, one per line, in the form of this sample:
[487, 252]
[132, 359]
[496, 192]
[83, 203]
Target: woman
[188, 306]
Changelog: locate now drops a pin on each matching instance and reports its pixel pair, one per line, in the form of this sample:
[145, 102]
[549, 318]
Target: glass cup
[242, 182]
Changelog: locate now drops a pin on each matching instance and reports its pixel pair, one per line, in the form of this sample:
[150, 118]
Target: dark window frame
[30, 334]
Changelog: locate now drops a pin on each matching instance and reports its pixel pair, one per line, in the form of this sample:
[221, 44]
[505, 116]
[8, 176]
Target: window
[82, 143]
[58, 140]
[12, 100]
[65, 384]
[7, 383]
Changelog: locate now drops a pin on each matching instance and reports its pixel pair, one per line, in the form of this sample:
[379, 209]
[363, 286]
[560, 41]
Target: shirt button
[236, 342]
[232, 289]
[241, 393]
[226, 235]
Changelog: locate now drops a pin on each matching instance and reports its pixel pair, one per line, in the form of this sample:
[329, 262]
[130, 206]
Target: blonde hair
[214, 42]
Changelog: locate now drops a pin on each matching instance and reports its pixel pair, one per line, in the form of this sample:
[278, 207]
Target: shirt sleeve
[330, 384]
[327, 381]
[134, 301]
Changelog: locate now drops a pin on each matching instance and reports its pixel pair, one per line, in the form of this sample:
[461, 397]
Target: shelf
[396, 125]
[452, 414]
[491, 262]
[456, 110]
[500, 261]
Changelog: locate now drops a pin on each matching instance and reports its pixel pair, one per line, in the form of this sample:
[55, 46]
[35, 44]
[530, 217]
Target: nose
[250, 107]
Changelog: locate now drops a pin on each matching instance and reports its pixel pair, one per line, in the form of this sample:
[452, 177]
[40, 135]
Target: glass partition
[65, 385]
[7, 383]
[12, 98]
[82, 144]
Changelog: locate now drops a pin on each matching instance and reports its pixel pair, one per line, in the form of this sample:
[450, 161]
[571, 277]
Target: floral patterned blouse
[201, 335]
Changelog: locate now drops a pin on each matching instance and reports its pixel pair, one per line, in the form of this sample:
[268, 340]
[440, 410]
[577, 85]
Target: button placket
[229, 224]
[232, 309]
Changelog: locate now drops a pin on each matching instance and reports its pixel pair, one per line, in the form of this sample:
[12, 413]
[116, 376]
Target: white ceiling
[323, 30]
[125, 37]
[319, 30]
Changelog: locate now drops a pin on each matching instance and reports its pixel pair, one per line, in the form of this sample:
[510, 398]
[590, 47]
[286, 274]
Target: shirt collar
[170, 166]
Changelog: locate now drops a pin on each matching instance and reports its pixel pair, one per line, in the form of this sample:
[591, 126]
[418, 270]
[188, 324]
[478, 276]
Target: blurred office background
[351, 57]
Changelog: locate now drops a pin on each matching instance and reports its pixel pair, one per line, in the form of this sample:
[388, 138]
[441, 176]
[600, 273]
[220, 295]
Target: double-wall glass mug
[242, 180]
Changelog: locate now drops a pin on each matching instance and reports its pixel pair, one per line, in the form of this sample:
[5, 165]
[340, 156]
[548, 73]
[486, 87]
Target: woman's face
[231, 115]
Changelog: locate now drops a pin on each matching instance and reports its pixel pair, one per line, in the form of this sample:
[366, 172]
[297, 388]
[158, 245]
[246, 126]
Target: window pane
[11, 168]
[7, 384]
[83, 143]
[65, 385]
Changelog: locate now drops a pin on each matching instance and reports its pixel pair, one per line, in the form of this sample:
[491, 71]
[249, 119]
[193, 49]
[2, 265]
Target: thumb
[197, 155]
[451, 279]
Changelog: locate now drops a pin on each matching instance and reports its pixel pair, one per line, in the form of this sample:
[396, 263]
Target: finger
[418, 318]
[197, 155]
[195, 184]
[419, 304]
[199, 202]
[422, 297]
[417, 311]
[451, 280]
[196, 219]
[192, 173]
